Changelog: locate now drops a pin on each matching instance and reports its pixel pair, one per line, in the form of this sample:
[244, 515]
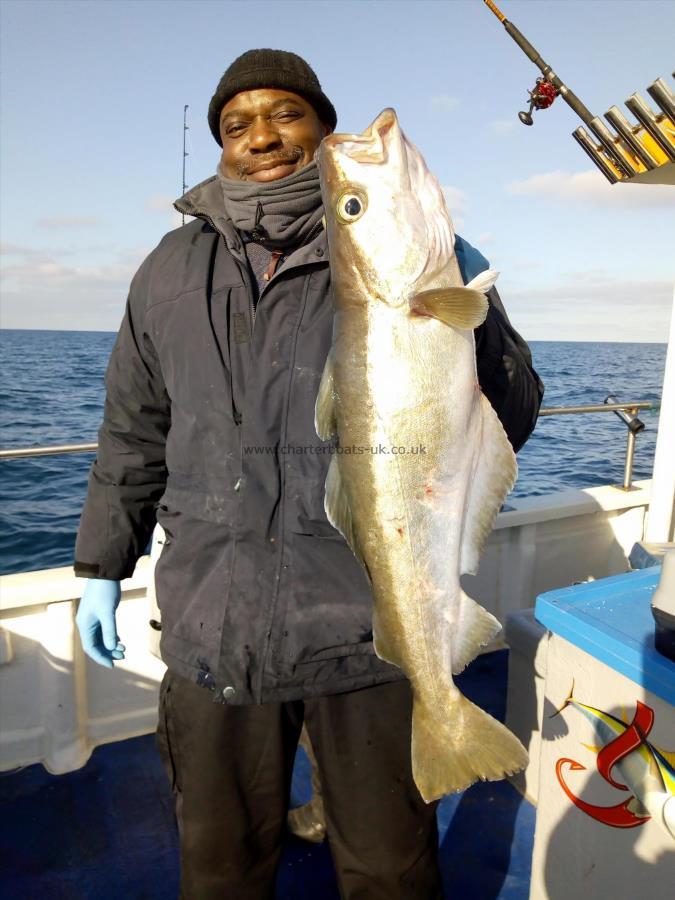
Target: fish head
[388, 228]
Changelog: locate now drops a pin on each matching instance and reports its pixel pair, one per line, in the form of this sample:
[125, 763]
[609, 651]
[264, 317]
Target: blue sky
[92, 103]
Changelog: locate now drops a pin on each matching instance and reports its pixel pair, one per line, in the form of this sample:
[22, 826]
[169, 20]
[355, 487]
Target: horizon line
[528, 340]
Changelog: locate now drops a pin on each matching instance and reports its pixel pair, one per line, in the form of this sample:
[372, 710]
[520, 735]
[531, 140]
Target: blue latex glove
[96, 621]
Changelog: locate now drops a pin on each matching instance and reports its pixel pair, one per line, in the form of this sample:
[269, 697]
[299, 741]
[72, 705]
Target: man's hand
[96, 621]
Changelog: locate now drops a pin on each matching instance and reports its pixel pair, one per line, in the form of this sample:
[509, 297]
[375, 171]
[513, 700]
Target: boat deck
[108, 829]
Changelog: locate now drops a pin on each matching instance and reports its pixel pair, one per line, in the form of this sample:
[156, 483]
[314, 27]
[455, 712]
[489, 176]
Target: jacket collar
[204, 201]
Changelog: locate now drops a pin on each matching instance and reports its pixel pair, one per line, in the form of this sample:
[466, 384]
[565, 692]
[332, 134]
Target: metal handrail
[54, 450]
[627, 412]
[606, 407]
[634, 426]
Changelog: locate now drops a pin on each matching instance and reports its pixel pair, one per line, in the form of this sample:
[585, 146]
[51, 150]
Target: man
[266, 614]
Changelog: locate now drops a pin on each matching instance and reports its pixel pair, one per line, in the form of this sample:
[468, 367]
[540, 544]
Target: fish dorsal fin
[483, 281]
[325, 422]
[494, 475]
[462, 307]
[338, 510]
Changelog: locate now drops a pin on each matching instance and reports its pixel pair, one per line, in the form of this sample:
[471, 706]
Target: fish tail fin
[472, 746]
[566, 703]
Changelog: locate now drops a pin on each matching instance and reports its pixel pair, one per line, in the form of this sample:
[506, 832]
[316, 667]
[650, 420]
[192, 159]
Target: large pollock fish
[401, 375]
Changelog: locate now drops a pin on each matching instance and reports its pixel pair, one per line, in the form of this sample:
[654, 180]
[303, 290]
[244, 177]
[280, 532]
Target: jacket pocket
[320, 528]
[328, 609]
[192, 573]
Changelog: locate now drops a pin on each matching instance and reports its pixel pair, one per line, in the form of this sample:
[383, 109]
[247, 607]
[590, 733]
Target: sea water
[52, 392]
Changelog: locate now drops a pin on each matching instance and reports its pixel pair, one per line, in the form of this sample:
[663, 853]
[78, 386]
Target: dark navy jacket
[209, 429]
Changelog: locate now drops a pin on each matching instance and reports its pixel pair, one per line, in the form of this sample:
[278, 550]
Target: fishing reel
[541, 97]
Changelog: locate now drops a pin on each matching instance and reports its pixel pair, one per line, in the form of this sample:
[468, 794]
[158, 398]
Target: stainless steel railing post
[628, 468]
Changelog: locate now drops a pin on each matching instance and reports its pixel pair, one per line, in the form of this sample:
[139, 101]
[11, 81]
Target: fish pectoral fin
[339, 512]
[461, 307]
[325, 422]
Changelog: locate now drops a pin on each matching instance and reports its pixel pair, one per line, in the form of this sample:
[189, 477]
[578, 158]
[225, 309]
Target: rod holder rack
[642, 152]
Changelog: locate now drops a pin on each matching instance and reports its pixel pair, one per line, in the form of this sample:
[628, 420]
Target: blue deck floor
[107, 831]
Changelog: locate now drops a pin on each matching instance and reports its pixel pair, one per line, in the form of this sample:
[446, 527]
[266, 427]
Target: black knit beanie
[270, 69]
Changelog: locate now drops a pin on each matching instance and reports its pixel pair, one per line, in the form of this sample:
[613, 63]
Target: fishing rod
[186, 128]
[644, 152]
[547, 88]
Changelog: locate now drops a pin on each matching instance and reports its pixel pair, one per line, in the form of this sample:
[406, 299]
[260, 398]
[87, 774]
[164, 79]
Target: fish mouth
[371, 145]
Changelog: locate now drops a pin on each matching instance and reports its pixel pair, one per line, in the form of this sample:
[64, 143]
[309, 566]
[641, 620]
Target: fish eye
[350, 207]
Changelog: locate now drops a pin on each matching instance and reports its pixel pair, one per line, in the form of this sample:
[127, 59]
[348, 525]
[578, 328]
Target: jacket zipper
[279, 261]
[317, 228]
[258, 691]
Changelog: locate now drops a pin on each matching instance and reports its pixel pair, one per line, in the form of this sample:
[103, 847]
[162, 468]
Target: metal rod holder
[606, 138]
[662, 95]
[616, 118]
[646, 117]
[629, 417]
[582, 137]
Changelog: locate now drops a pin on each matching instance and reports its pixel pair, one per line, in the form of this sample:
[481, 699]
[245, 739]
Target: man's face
[268, 134]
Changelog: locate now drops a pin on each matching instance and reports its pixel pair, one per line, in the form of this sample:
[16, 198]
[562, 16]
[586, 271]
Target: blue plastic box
[612, 621]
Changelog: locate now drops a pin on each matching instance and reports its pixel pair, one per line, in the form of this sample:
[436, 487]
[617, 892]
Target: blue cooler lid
[611, 619]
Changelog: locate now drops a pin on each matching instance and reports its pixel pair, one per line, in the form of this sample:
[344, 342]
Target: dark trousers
[230, 769]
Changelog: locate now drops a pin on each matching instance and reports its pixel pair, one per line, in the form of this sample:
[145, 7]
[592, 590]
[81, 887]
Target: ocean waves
[52, 392]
